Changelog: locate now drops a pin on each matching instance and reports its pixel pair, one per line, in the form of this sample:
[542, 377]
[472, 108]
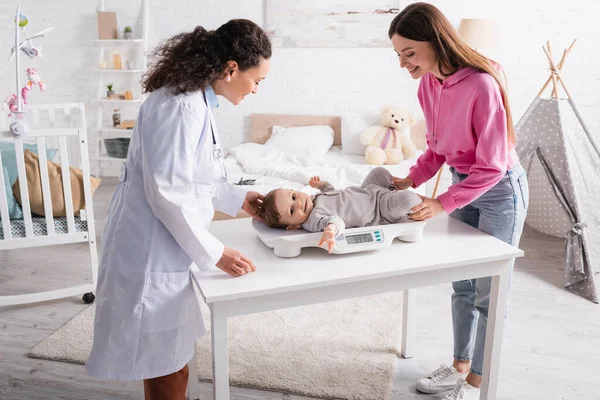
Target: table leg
[495, 329]
[409, 306]
[219, 352]
[193, 391]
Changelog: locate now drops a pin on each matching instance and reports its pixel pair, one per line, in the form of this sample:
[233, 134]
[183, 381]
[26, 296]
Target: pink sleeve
[491, 153]
[426, 167]
[429, 162]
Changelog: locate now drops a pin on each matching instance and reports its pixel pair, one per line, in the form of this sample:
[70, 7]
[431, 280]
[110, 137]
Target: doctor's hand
[429, 208]
[252, 203]
[234, 263]
[328, 237]
[402, 183]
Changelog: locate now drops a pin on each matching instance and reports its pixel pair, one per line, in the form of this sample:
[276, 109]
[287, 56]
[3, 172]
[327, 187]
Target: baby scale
[289, 243]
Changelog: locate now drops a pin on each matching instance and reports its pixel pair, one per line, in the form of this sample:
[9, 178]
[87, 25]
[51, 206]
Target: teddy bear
[390, 142]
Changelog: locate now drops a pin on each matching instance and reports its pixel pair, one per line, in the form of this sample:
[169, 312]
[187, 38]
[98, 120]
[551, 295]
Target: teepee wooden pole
[544, 87]
[557, 73]
[571, 46]
[560, 66]
[437, 182]
[554, 92]
[564, 57]
[562, 60]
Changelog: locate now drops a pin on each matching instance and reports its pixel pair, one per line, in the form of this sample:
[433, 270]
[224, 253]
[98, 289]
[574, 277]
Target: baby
[374, 202]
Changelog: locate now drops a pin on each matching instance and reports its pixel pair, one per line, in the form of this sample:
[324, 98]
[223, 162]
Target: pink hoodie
[466, 128]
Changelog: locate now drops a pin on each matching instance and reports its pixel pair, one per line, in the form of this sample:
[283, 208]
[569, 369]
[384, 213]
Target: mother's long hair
[424, 22]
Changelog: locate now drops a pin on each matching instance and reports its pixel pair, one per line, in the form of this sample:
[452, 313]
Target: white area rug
[342, 350]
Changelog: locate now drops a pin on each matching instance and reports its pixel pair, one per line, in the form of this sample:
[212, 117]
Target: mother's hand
[429, 208]
[252, 203]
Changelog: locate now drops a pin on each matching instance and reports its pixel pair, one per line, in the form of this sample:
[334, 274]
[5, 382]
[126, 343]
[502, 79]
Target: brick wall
[315, 81]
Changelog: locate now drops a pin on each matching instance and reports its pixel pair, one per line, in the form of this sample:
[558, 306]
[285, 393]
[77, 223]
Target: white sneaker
[442, 379]
[463, 391]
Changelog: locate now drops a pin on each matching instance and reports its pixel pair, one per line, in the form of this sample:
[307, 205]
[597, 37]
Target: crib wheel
[88, 298]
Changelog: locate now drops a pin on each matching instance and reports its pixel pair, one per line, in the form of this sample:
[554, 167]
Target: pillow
[353, 124]
[306, 141]
[10, 171]
[34, 186]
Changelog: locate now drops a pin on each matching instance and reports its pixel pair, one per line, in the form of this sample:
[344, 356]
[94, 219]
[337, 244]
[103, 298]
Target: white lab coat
[147, 314]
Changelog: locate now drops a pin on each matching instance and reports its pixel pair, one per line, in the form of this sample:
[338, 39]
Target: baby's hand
[315, 182]
[328, 237]
[401, 183]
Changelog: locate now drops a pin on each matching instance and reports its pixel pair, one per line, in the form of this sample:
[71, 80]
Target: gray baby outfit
[371, 203]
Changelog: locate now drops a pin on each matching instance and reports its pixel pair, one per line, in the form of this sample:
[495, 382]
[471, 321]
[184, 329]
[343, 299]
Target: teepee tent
[563, 165]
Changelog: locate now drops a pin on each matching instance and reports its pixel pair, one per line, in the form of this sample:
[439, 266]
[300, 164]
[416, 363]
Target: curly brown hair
[268, 211]
[191, 61]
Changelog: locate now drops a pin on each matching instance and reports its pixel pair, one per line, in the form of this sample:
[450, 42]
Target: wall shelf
[119, 41]
[107, 158]
[124, 79]
[105, 100]
[112, 130]
[119, 71]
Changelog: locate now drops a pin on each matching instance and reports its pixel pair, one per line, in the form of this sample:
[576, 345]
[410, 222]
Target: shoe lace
[458, 392]
[441, 373]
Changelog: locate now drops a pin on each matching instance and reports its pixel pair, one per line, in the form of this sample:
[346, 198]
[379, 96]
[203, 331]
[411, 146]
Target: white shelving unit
[117, 41]
[129, 79]
[119, 71]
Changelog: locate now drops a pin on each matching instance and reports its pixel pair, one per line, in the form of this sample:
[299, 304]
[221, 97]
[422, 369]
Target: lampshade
[482, 34]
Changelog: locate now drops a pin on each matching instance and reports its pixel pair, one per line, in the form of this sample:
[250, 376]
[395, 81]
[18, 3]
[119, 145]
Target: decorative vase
[116, 118]
[110, 93]
[127, 35]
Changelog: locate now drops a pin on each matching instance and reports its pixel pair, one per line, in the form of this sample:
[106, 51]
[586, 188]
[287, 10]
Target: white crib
[61, 126]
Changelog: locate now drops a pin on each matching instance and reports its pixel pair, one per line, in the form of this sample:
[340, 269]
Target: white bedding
[273, 168]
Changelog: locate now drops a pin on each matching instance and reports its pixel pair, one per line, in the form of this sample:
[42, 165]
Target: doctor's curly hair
[191, 61]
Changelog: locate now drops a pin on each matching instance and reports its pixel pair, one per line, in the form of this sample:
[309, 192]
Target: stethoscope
[217, 153]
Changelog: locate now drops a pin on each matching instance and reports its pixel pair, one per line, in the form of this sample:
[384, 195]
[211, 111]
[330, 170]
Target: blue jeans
[499, 212]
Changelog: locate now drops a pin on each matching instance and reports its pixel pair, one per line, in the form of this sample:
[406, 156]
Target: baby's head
[285, 208]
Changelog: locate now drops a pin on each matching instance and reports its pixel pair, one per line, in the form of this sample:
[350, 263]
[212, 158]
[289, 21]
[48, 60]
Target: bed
[272, 168]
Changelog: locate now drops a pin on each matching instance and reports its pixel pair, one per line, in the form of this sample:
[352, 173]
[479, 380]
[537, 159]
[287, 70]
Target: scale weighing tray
[289, 243]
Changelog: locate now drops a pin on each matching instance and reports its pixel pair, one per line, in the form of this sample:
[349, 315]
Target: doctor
[147, 315]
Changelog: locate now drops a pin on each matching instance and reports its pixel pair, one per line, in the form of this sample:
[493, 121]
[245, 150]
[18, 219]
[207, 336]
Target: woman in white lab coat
[147, 315]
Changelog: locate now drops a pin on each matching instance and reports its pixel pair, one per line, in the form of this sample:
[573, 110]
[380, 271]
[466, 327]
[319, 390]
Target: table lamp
[482, 34]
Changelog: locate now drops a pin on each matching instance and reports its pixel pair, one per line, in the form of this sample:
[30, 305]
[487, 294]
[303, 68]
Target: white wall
[318, 81]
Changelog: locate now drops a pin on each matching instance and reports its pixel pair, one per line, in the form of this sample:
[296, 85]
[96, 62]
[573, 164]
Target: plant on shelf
[110, 93]
[127, 33]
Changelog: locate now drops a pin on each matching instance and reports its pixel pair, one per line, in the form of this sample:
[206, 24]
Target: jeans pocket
[524, 189]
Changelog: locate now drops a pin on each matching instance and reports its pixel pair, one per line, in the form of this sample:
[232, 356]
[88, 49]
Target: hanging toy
[10, 103]
[33, 79]
[15, 102]
[27, 46]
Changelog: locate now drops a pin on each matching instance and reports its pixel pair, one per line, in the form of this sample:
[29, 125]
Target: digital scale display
[357, 239]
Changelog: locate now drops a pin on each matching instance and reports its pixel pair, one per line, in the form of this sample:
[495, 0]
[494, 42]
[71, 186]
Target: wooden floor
[551, 347]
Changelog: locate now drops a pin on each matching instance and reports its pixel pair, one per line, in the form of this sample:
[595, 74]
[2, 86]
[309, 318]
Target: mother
[147, 314]
[469, 127]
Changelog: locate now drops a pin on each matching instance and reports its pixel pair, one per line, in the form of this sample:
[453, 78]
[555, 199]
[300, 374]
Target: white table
[450, 251]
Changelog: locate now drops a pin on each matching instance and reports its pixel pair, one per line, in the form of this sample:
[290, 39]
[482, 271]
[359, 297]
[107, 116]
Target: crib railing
[61, 127]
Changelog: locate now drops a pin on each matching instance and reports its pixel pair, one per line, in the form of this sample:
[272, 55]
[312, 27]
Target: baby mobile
[14, 102]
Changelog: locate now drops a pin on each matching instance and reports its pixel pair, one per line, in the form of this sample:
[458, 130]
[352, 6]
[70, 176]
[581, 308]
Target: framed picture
[107, 25]
[330, 23]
